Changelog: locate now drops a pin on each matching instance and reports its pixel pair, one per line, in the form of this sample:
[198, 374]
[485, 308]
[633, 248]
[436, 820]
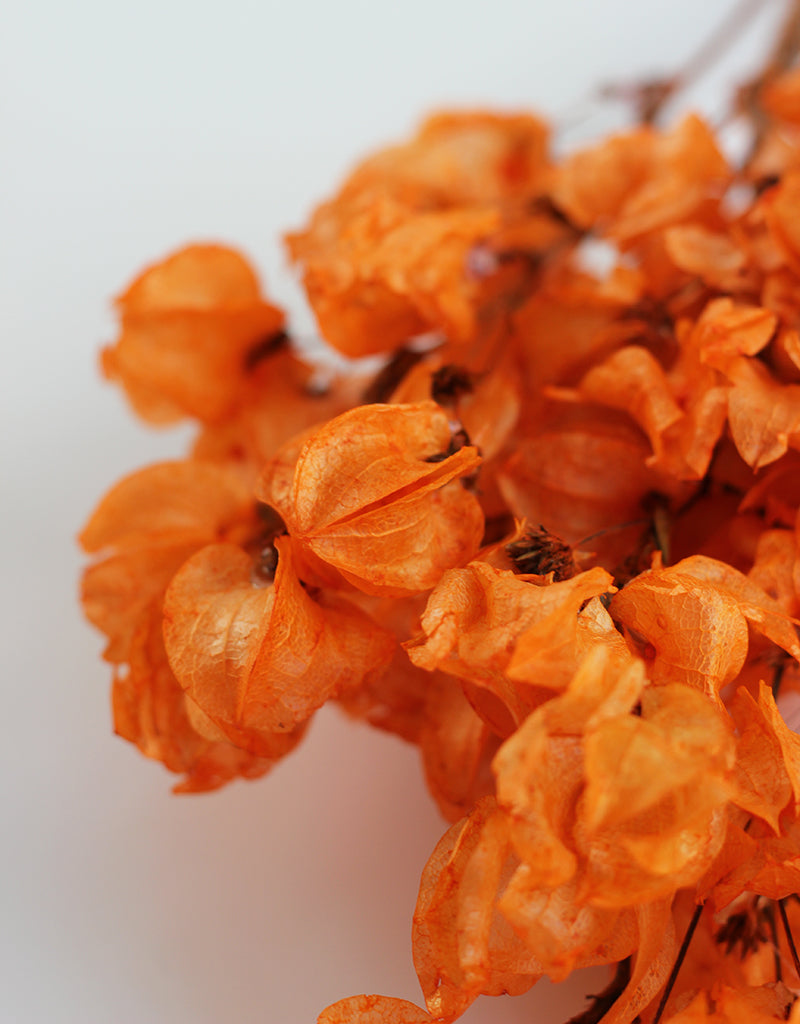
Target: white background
[126, 131]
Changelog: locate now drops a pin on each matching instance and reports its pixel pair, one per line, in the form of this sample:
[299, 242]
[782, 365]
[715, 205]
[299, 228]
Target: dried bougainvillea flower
[460, 158]
[259, 660]
[585, 478]
[378, 494]
[749, 1005]
[148, 525]
[635, 183]
[711, 255]
[387, 258]
[686, 629]
[487, 405]
[188, 324]
[768, 757]
[763, 613]
[628, 807]
[151, 711]
[462, 947]
[146, 528]
[387, 272]
[457, 747]
[764, 415]
[475, 617]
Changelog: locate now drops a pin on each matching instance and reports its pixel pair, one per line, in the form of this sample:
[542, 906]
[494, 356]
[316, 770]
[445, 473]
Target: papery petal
[475, 616]
[462, 946]
[710, 255]
[764, 416]
[187, 326]
[180, 501]
[373, 1010]
[762, 612]
[687, 629]
[261, 660]
[152, 711]
[376, 496]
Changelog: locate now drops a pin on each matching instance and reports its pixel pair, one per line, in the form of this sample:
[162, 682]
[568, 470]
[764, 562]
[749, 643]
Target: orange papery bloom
[148, 525]
[387, 258]
[775, 568]
[487, 405]
[633, 381]
[374, 1010]
[475, 617]
[781, 207]
[580, 319]
[145, 529]
[690, 622]
[151, 710]
[768, 757]
[766, 858]
[459, 158]
[687, 630]
[764, 615]
[472, 936]
[378, 495]
[642, 181]
[713, 256]
[764, 415]
[387, 272]
[629, 807]
[188, 325]
[457, 748]
[585, 478]
[781, 97]
[259, 660]
[462, 945]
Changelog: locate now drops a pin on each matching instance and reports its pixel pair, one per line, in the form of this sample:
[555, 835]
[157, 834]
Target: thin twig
[678, 962]
[789, 936]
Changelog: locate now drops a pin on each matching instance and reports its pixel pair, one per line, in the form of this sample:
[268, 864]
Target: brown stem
[687, 938]
[789, 936]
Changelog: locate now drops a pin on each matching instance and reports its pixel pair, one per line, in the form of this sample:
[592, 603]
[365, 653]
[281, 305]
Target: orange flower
[376, 494]
[188, 324]
[476, 616]
[147, 527]
[259, 660]
[387, 258]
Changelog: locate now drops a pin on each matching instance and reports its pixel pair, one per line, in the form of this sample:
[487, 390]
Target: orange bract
[188, 324]
[476, 616]
[373, 1010]
[376, 495]
[387, 258]
[283, 654]
[148, 526]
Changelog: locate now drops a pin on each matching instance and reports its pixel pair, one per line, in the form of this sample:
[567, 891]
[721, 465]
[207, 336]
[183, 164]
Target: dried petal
[187, 326]
[376, 495]
[261, 660]
[373, 1010]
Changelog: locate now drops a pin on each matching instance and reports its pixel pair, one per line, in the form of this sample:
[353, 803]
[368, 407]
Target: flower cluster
[554, 542]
